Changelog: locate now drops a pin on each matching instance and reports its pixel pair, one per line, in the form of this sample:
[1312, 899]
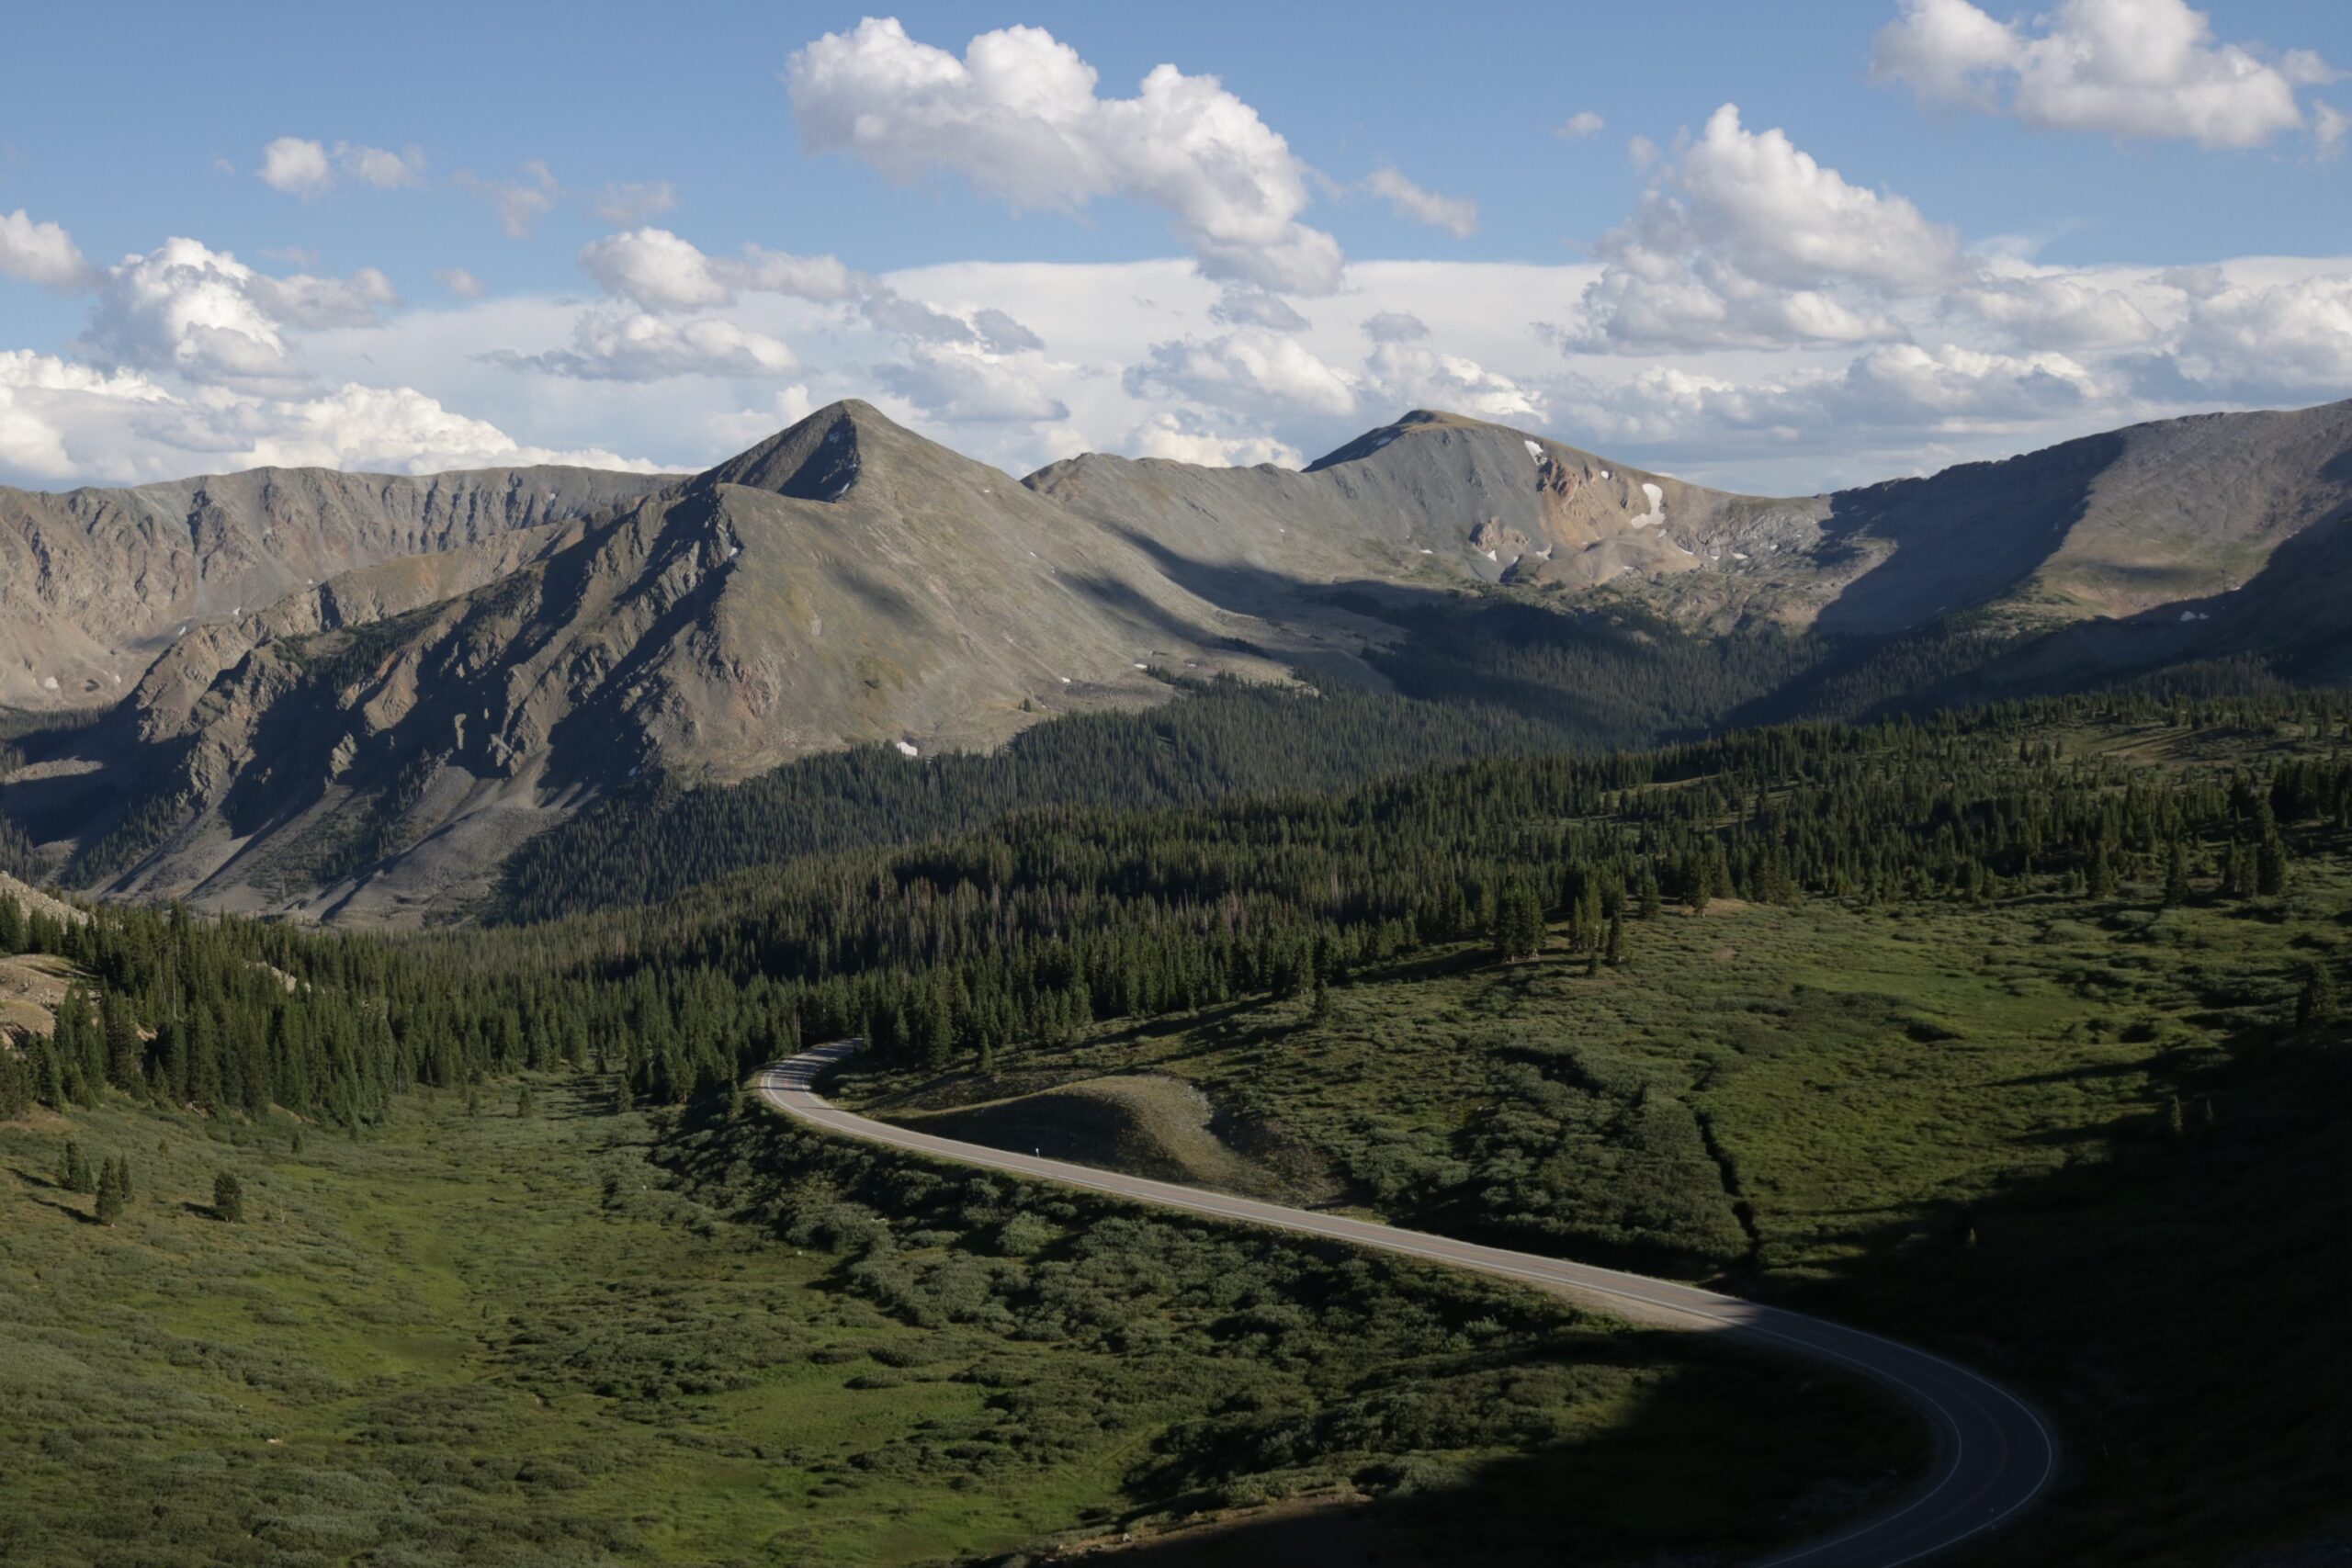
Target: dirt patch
[1725, 954]
[30, 987]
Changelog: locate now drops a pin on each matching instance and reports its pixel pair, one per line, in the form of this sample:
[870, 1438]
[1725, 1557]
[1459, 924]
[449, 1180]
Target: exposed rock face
[93, 583]
[372, 744]
[845, 581]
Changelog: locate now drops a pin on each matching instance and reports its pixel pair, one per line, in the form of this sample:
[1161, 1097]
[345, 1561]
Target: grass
[581, 1336]
[2073, 1141]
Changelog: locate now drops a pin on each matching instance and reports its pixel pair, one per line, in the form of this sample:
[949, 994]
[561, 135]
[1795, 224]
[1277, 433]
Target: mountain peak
[818, 458]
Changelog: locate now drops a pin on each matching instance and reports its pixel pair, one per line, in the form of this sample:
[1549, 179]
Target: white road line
[1983, 1433]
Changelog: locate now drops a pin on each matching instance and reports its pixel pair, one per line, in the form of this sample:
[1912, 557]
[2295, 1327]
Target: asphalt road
[1995, 1455]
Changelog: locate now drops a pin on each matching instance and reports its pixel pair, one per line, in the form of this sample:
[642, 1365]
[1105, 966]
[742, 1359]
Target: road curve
[1995, 1455]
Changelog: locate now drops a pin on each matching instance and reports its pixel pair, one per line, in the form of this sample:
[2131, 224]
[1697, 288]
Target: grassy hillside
[2080, 1141]
[579, 1336]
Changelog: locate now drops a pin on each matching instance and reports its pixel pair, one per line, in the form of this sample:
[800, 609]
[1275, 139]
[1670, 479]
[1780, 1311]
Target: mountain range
[353, 696]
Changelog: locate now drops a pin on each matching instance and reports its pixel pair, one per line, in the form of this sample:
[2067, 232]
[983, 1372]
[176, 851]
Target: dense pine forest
[967, 946]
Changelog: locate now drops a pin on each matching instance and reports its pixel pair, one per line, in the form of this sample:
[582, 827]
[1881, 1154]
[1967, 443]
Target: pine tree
[1617, 939]
[2176, 877]
[1519, 922]
[1653, 900]
[227, 1197]
[2316, 1008]
[111, 1196]
[122, 1175]
[2098, 875]
[72, 1170]
[2270, 864]
[12, 924]
[524, 1105]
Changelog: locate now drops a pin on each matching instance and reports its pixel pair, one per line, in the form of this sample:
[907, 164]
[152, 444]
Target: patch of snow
[1064, 679]
[1656, 513]
[2193, 615]
[1491, 556]
[1384, 438]
[907, 749]
[50, 684]
[1534, 450]
[1428, 552]
[1739, 555]
[1604, 473]
[1142, 666]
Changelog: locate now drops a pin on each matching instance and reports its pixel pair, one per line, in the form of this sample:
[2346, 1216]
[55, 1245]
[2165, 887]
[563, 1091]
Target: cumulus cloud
[1395, 326]
[633, 346]
[968, 386]
[42, 253]
[2149, 68]
[1239, 305]
[300, 167]
[1020, 117]
[1411, 375]
[1584, 122]
[1244, 371]
[459, 282]
[2281, 339]
[1458, 216]
[2055, 310]
[519, 203]
[204, 314]
[660, 271]
[1743, 239]
[61, 420]
[1182, 436]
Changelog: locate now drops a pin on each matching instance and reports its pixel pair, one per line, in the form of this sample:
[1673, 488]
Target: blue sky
[1925, 231]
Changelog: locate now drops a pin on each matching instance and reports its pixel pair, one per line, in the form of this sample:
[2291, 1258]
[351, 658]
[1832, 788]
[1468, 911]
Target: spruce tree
[1617, 939]
[227, 1197]
[2316, 1008]
[110, 1207]
[2176, 877]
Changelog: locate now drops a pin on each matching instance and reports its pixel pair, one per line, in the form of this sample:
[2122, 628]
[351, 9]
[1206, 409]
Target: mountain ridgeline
[517, 693]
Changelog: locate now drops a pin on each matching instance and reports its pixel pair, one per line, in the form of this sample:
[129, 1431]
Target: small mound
[1143, 1124]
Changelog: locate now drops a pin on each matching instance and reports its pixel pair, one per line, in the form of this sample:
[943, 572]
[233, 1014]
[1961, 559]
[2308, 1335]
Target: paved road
[1994, 1454]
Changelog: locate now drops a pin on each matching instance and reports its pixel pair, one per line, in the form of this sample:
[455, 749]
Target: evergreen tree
[2316, 1008]
[111, 1196]
[227, 1197]
[2177, 876]
[1617, 939]
[74, 1169]
[1519, 920]
[2099, 874]
[2270, 864]
[524, 1104]
[122, 1177]
[12, 924]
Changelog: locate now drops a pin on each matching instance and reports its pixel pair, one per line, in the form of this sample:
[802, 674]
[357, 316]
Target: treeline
[1049, 921]
[1223, 739]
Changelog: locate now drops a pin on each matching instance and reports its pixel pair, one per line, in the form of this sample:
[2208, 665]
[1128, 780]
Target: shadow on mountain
[1961, 537]
[2150, 1293]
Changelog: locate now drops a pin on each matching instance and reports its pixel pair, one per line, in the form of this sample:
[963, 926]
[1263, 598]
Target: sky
[1778, 248]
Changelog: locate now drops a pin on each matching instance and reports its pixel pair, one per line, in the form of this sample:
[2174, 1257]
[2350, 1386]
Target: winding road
[1994, 1454]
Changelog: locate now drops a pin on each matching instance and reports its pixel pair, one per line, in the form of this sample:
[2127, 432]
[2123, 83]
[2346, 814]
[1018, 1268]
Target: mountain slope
[846, 581]
[93, 582]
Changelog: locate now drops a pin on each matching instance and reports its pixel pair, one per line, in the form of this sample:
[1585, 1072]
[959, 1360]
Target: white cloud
[520, 203]
[300, 167]
[1458, 216]
[42, 253]
[632, 345]
[1239, 305]
[1184, 437]
[1584, 122]
[2055, 310]
[2149, 68]
[2285, 339]
[1249, 371]
[967, 385]
[461, 282]
[206, 315]
[1019, 116]
[59, 421]
[1409, 375]
[2329, 125]
[1395, 326]
[627, 205]
[1742, 239]
[662, 272]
